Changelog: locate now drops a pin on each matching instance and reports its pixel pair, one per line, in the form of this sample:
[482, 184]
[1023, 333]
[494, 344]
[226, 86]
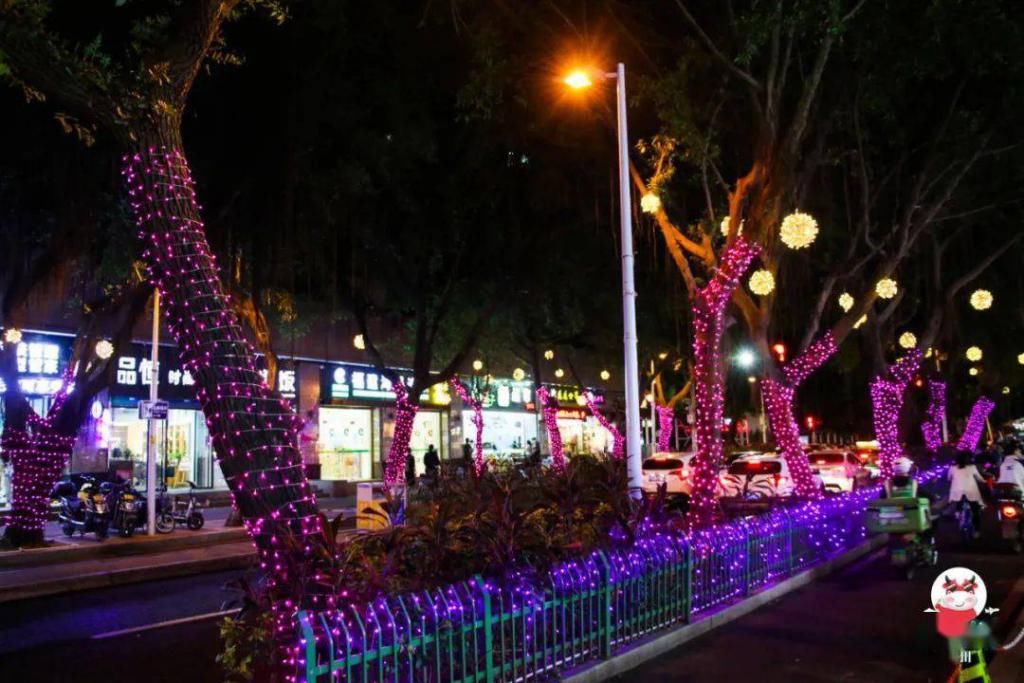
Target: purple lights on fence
[549, 409]
[887, 395]
[975, 424]
[478, 422]
[618, 440]
[935, 415]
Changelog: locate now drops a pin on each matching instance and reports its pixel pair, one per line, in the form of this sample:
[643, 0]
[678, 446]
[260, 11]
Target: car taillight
[1010, 511]
[777, 478]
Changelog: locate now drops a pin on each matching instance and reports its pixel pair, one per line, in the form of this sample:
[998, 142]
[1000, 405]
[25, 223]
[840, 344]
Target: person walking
[431, 461]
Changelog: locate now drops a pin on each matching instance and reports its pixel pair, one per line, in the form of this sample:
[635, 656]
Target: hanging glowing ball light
[605, 375]
[762, 282]
[549, 354]
[104, 349]
[1006, 390]
[724, 227]
[518, 374]
[845, 301]
[908, 340]
[981, 300]
[650, 203]
[860, 321]
[974, 354]
[12, 335]
[359, 342]
[886, 288]
[973, 372]
[1020, 358]
[478, 365]
[559, 373]
[798, 230]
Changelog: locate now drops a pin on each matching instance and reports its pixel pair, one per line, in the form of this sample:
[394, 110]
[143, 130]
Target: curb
[649, 648]
[240, 558]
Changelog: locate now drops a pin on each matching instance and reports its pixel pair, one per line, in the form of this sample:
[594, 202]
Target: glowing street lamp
[745, 358]
[580, 79]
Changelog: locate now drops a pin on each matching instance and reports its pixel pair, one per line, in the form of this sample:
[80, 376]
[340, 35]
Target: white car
[669, 469]
[756, 477]
[840, 470]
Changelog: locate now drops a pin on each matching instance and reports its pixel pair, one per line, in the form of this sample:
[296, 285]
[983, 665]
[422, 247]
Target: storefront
[508, 421]
[356, 422]
[581, 432]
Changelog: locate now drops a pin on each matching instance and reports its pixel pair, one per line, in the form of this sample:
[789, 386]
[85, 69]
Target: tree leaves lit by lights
[974, 354]
[908, 340]
[886, 288]
[762, 282]
[981, 300]
[845, 301]
[799, 230]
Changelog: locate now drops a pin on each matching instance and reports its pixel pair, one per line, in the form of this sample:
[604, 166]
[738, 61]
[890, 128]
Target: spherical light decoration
[981, 300]
[1006, 390]
[845, 301]
[973, 372]
[605, 375]
[519, 374]
[104, 349]
[650, 203]
[359, 342]
[908, 340]
[798, 230]
[12, 335]
[762, 282]
[886, 288]
[974, 354]
[581, 400]
[1020, 358]
[559, 373]
[478, 365]
[724, 227]
[860, 321]
[549, 354]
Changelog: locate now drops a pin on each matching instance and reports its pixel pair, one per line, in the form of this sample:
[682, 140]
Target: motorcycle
[906, 518]
[88, 512]
[128, 508]
[1009, 509]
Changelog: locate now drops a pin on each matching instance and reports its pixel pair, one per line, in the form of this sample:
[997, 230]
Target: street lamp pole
[151, 433]
[632, 373]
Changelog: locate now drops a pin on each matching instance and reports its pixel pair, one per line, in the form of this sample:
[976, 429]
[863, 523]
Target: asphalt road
[861, 625]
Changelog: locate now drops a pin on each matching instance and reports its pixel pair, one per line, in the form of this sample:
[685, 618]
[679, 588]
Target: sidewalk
[77, 564]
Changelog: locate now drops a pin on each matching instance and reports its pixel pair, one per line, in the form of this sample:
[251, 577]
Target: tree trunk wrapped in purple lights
[478, 422]
[253, 430]
[935, 415]
[975, 424]
[666, 418]
[618, 440]
[708, 318]
[886, 403]
[549, 408]
[779, 396]
[398, 452]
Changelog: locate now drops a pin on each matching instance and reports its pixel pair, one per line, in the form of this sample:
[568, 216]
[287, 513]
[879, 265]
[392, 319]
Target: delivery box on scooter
[898, 516]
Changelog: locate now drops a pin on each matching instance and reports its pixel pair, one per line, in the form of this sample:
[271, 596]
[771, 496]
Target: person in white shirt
[963, 481]
[1011, 471]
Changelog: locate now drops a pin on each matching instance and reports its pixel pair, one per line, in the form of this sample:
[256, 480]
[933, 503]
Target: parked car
[669, 469]
[840, 470]
[759, 476]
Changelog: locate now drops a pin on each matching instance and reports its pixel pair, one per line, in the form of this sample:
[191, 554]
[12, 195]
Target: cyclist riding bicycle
[963, 483]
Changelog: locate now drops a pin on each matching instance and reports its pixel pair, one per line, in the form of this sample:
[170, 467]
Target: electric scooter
[85, 513]
[1009, 509]
[906, 518]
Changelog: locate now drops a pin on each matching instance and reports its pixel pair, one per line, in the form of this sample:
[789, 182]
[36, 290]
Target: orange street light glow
[577, 80]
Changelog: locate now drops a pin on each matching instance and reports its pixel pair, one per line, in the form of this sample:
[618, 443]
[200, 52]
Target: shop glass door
[345, 443]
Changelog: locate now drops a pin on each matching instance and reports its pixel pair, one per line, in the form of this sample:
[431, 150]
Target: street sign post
[153, 410]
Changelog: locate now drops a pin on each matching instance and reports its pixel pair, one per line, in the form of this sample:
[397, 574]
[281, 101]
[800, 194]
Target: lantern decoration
[860, 321]
[908, 340]
[724, 227]
[359, 342]
[12, 335]
[478, 365]
[666, 422]
[519, 374]
[798, 230]
[618, 440]
[549, 354]
[650, 203]
[981, 300]
[605, 375]
[104, 349]
[935, 414]
[886, 288]
[845, 301]
[973, 372]
[975, 424]
[549, 409]
[477, 405]
[973, 354]
[887, 394]
[762, 282]
[708, 322]
[559, 373]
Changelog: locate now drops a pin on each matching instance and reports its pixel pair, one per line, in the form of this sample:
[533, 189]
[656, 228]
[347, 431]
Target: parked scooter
[906, 518]
[1009, 509]
[85, 513]
[179, 512]
[127, 508]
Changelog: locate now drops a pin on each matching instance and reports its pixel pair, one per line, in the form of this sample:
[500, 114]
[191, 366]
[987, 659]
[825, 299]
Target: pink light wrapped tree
[779, 396]
[666, 419]
[618, 440]
[398, 451]
[478, 422]
[887, 394]
[708, 318]
[935, 415]
[975, 424]
[549, 409]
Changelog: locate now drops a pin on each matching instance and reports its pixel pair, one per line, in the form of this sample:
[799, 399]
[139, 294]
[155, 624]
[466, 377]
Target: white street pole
[654, 418]
[632, 376]
[154, 377]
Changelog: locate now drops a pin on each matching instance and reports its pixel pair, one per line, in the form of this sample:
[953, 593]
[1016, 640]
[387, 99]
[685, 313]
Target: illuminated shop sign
[507, 394]
[40, 361]
[341, 382]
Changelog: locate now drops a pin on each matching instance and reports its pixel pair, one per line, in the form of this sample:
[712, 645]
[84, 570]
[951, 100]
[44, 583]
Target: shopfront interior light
[104, 349]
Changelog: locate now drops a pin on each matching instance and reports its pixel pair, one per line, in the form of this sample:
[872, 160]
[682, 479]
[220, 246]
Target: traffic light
[779, 351]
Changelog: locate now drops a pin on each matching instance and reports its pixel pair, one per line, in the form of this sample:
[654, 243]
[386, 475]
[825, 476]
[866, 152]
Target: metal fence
[524, 628]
